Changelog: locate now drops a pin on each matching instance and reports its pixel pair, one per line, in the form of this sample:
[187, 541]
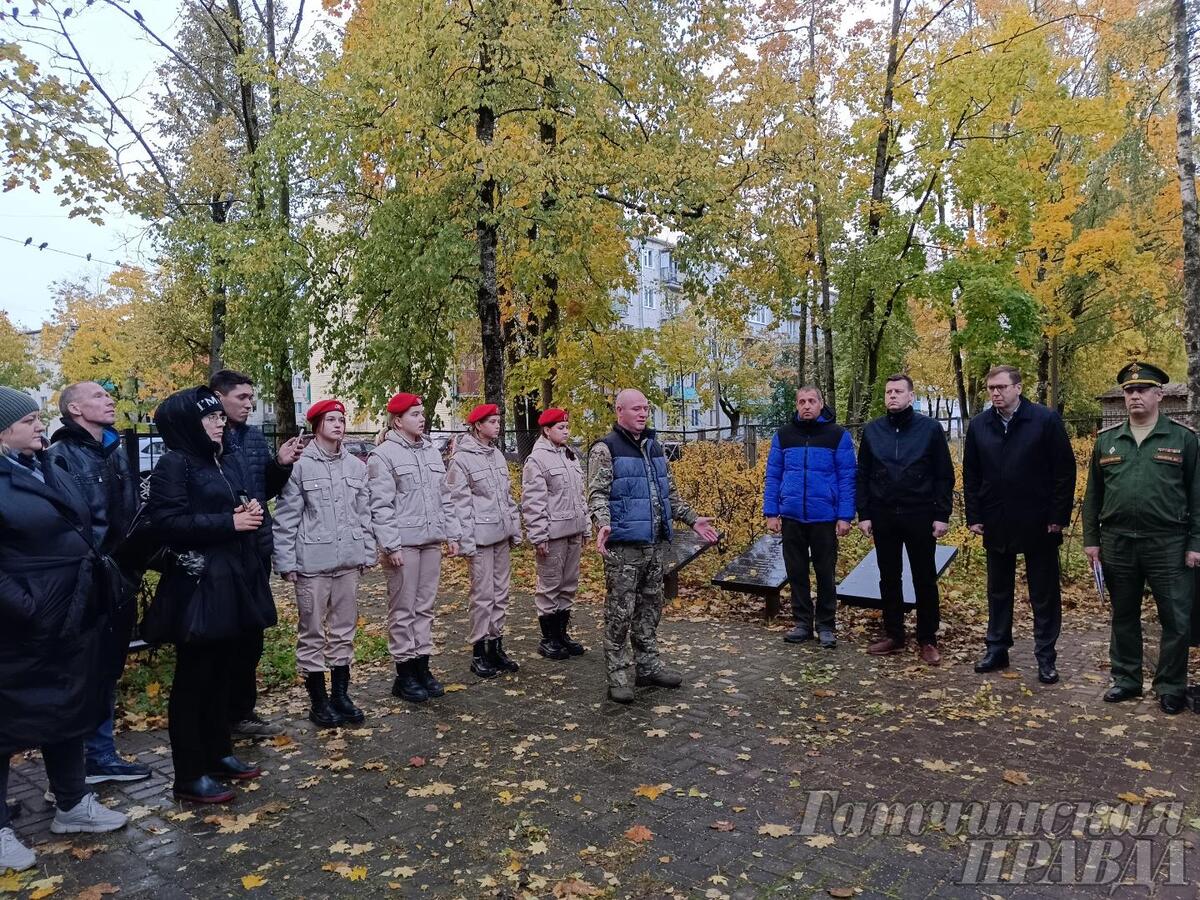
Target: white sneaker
[13, 854]
[90, 816]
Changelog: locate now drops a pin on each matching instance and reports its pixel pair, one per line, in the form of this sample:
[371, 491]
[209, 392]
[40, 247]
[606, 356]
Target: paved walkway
[534, 786]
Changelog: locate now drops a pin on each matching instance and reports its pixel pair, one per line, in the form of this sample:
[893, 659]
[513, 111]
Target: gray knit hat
[14, 406]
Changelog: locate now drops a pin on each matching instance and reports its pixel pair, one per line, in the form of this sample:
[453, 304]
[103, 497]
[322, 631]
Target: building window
[758, 315]
[648, 297]
[695, 418]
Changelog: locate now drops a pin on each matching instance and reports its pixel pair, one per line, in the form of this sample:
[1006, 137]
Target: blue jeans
[99, 746]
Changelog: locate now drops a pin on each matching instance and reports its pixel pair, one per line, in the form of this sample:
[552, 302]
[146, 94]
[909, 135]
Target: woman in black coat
[214, 588]
[50, 626]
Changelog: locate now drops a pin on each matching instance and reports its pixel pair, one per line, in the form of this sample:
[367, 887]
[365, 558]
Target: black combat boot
[433, 687]
[407, 685]
[322, 714]
[340, 697]
[481, 659]
[564, 636]
[551, 645]
[501, 661]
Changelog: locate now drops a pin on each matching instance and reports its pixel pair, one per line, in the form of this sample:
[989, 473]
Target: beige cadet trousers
[491, 567]
[558, 575]
[328, 606]
[412, 589]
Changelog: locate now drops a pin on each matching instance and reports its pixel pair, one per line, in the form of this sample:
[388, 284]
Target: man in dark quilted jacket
[266, 474]
[809, 498]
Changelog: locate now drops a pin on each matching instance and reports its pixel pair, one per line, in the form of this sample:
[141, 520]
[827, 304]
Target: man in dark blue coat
[1019, 488]
[266, 474]
[905, 497]
[808, 496]
[89, 449]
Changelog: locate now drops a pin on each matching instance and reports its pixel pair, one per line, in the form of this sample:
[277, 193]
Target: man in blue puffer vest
[632, 500]
[809, 497]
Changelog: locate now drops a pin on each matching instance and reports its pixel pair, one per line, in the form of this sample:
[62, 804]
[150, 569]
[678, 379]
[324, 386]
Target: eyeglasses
[997, 388]
[216, 417]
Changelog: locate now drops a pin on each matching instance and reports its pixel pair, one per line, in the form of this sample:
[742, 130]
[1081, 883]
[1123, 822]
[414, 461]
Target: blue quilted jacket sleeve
[847, 475]
[773, 479]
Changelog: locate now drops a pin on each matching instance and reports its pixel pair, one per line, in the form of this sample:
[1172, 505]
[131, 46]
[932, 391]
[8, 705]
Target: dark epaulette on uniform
[1184, 425]
[1110, 428]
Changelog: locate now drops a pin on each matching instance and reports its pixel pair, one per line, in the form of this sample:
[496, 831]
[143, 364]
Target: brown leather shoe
[885, 647]
[930, 655]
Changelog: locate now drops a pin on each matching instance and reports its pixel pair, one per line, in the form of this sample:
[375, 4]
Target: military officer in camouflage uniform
[1141, 521]
[632, 500]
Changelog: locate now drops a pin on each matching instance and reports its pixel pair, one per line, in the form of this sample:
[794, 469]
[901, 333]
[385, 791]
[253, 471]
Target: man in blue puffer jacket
[809, 497]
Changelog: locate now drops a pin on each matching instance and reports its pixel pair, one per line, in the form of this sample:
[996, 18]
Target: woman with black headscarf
[214, 588]
[50, 626]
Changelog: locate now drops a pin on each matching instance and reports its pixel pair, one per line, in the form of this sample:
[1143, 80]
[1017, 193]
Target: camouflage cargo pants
[633, 576]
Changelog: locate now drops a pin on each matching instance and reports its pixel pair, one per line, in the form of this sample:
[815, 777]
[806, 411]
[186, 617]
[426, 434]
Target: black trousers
[815, 542]
[895, 534]
[64, 770]
[243, 689]
[199, 707]
[1042, 576]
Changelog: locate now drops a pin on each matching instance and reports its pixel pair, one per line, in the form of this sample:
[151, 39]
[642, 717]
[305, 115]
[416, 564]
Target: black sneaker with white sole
[114, 768]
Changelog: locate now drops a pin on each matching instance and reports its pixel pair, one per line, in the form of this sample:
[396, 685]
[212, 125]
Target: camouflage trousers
[633, 576]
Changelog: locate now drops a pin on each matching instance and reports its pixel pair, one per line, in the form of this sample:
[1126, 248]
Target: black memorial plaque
[861, 586]
[758, 571]
[685, 546]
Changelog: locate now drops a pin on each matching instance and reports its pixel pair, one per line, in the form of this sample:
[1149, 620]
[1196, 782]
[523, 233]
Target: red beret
[482, 412]
[402, 403]
[323, 406]
[552, 416]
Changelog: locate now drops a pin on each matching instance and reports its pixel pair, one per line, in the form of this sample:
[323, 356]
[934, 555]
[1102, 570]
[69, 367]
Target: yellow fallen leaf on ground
[1131, 797]
[44, 887]
[1140, 764]
[639, 834]
[820, 841]
[250, 882]
[651, 791]
[1012, 776]
[775, 831]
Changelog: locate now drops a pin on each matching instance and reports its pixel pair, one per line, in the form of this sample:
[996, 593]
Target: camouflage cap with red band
[1141, 374]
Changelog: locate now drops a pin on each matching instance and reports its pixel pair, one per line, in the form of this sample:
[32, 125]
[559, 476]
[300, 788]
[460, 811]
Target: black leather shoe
[1172, 704]
[574, 648]
[407, 685]
[828, 639]
[620, 694]
[992, 660]
[551, 646]
[339, 697]
[203, 790]
[1116, 694]
[232, 767]
[660, 678]
[433, 687]
[481, 659]
[501, 661]
[320, 713]
[1047, 674]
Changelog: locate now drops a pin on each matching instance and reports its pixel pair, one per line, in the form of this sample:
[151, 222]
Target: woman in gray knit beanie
[49, 632]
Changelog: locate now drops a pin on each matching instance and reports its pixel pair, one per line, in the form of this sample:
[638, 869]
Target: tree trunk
[960, 386]
[802, 346]
[1043, 373]
[1054, 397]
[1186, 164]
[218, 211]
[863, 385]
[488, 293]
[829, 386]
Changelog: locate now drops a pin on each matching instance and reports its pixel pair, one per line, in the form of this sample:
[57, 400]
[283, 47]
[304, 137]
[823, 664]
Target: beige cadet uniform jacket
[323, 516]
[410, 499]
[482, 492]
[552, 497]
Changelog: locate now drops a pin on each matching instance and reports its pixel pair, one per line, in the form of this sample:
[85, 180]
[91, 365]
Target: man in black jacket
[1019, 487]
[266, 474]
[905, 497]
[89, 449]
